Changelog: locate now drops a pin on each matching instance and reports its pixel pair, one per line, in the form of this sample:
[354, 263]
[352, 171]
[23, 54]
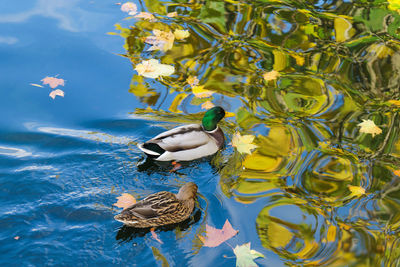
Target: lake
[311, 90]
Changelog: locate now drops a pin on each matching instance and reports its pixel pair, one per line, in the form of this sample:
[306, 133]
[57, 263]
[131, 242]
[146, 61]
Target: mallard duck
[188, 142]
[161, 208]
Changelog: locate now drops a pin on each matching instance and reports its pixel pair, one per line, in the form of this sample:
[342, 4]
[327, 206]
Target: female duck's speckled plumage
[188, 142]
[161, 208]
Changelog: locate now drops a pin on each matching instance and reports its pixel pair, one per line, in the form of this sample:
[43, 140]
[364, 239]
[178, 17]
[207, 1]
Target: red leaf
[216, 237]
[53, 82]
[124, 201]
[16, 237]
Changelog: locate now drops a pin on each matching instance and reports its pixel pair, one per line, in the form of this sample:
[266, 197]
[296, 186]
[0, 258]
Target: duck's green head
[212, 117]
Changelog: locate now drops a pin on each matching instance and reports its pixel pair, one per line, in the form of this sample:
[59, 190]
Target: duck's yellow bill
[229, 114]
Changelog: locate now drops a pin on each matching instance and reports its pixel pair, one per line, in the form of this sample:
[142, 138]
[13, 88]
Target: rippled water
[64, 161]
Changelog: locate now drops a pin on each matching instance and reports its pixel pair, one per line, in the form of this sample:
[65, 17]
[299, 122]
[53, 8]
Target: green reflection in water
[338, 63]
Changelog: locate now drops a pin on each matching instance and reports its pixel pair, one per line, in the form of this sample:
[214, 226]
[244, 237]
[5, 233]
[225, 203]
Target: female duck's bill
[188, 142]
[161, 208]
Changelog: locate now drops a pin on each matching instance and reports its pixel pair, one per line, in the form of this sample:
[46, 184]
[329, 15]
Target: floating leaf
[172, 14]
[53, 82]
[368, 126]
[356, 190]
[130, 8]
[160, 40]
[16, 237]
[56, 92]
[181, 34]
[245, 256]
[272, 75]
[216, 237]
[243, 143]
[207, 105]
[125, 201]
[153, 69]
[200, 92]
[37, 85]
[192, 81]
[145, 15]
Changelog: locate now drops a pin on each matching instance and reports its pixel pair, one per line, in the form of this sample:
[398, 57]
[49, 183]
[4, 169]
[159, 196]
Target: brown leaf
[125, 201]
[216, 237]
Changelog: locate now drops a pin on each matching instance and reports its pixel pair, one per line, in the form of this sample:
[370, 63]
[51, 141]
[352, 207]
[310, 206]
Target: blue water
[63, 162]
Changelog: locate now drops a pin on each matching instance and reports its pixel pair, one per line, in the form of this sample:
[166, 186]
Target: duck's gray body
[184, 143]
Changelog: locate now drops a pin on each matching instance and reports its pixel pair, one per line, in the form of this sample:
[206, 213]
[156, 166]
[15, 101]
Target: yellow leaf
[243, 143]
[200, 92]
[160, 40]
[37, 85]
[356, 190]
[368, 126]
[145, 15]
[272, 75]
[153, 69]
[192, 81]
[181, 34]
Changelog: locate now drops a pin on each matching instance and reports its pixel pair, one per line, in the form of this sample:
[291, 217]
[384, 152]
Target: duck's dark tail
[152, 150]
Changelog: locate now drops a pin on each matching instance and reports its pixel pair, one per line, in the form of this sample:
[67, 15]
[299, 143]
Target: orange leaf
[397, 172]
[53, 82]
[125, 201]
[216, 237]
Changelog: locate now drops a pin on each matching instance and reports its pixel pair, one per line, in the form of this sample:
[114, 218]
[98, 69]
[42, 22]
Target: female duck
[161, 208]
[188, 142]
